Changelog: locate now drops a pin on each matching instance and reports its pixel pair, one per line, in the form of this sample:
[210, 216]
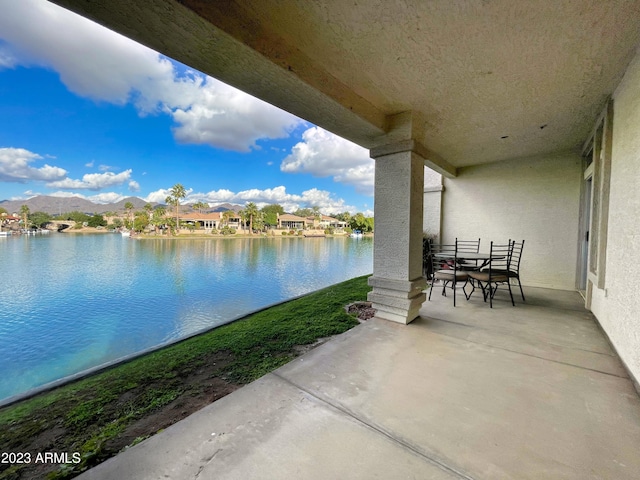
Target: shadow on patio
[533, 391]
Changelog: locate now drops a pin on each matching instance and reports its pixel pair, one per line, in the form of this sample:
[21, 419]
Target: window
[597, 175]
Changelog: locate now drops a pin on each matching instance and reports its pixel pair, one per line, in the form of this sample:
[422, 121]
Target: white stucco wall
[535, 199]
[432, 202]
[617, 306]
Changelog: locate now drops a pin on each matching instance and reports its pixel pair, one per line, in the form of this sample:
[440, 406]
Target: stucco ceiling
[486, 80]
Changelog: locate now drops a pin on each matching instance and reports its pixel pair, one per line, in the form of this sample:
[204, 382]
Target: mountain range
[58, 205]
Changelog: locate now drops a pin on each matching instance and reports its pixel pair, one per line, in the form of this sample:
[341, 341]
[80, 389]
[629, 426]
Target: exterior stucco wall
[432, 211]
[617, 306]
[535, 199]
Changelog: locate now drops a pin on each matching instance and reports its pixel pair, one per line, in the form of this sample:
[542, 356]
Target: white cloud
[327, 201]
[107, 197]
[228, 118]
[161, 195]
[14, 167]
[106, 168]
[323, 154]
[25, 196]
[158, 196]
[63, 194]
[100, 64]
[368, 213]
[93, 181]
[89, 164]
[7, 59]
[101, 198]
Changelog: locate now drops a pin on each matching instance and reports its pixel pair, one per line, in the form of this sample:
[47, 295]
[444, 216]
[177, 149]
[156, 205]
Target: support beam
[397, 257]
[225, 40]
[403, 130]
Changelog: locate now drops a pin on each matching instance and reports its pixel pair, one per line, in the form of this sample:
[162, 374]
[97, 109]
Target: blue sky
[87, 112]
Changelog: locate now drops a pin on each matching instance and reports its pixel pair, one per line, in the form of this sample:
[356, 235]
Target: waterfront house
[529, 113]
[203, 221]
[8, 219]
[325, 221]
[212, 221]
[287, 221]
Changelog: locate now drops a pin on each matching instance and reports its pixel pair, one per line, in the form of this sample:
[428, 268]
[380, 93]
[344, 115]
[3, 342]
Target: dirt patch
[188, 403]
[199, 389]
[362, 310]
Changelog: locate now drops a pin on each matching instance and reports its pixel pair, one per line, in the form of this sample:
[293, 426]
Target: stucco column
[397, 255]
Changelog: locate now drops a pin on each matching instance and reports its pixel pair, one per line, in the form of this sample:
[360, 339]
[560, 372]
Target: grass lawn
[95, 418]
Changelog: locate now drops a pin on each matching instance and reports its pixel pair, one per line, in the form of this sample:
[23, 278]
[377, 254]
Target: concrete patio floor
[528, 392]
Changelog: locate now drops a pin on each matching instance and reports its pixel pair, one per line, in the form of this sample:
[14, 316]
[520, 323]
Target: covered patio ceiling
[485, 80]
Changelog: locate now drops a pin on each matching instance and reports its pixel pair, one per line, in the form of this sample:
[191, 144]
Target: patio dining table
[468, 256]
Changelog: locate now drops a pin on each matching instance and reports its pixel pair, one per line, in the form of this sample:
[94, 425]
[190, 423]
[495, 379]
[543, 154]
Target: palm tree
[227, 215]
[199, 206]
[174, 203]
[251, 210]
[177, 193]
[243, 218]
[24, 212]
[148, 208]
[158, 217]
[317, 216]
[129, 208]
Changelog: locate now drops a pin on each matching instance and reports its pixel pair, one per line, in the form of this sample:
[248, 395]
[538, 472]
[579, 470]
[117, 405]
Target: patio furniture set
[462, 263]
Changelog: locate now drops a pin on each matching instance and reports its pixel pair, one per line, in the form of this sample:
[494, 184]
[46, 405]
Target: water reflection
[73, 301]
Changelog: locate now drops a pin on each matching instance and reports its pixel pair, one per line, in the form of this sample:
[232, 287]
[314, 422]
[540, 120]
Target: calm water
[72, 302]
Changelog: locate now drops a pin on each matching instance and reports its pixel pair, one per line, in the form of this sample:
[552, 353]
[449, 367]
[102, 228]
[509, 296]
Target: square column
[397, 279]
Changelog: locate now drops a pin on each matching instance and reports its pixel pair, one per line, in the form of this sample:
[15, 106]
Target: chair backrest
[472, 246]
[516, 255]
[443, 257]
[500, 256]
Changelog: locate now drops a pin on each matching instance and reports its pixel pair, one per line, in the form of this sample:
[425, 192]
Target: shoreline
[90, 230]
[106, 412]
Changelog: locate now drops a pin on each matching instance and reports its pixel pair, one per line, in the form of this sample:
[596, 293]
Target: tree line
[161, 217]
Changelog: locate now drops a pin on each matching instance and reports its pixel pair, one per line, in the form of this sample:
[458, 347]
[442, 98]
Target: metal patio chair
[468, 246]
[496, 273]
[514, 266]
[445, 270]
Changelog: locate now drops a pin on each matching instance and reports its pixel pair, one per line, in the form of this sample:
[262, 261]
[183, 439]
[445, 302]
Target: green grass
[96, 409]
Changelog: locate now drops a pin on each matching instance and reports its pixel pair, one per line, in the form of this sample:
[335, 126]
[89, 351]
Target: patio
[524, 130]
[532, 391]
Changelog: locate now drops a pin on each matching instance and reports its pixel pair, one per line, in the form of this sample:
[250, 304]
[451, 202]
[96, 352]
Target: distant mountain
[57, 205]
[138, 203]
[223, 207]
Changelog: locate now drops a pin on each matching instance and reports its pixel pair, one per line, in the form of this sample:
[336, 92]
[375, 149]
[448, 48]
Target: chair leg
[430, 290]
[520, 285]
[491, 294]
[465, 292]
[510, 293]
[454, 284]
[484, 292]
[473, 289]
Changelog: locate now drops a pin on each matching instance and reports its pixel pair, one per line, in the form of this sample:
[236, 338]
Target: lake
[69, 303]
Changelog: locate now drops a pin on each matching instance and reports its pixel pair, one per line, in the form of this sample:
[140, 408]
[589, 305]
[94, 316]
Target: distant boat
[5, 234]
[125, 233]
[356, 234]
